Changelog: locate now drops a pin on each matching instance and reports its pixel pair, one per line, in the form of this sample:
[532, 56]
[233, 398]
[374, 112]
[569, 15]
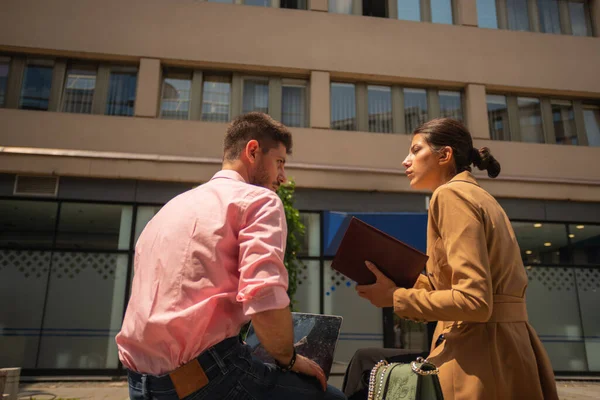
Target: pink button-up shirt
[210, 259]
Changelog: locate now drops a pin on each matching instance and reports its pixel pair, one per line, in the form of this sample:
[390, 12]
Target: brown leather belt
[508, 309]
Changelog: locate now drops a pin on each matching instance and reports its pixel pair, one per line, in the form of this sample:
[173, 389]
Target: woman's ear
[446, 155]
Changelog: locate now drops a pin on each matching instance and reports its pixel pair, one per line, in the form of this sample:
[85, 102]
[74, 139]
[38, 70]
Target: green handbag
[398, 381]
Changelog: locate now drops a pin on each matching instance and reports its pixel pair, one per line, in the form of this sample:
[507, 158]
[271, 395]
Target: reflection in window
[564, 122]
[121, 92]
[216, 98]
[518, 15]
[293, 105]
[530, 120]
[27, 223]
[380, 109]
[591, 116]
[441, 11]
[498, 117]
[451, 105]
[409, 10]
[549, 16]
[580, 18]
[542, 243]
[256, 96]
[585, 242]
[94, 226]
[78, 94]
[486, 14]
[176, 93]
[415, 108]
[340, 6]
[37, 81]
[343, 106]
[4, 67]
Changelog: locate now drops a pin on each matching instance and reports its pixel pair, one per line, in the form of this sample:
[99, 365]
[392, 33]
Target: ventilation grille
[36, 185]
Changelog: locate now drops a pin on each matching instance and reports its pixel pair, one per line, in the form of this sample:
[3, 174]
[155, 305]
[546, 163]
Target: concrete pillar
[320, 102]
[147, 96]
[466, 12]
[318, 5]
[476, 110]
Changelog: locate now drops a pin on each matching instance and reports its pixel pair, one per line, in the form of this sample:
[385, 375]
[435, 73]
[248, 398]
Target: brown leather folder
[397, 260]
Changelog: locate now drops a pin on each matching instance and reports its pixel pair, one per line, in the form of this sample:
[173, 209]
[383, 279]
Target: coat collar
[464, 176]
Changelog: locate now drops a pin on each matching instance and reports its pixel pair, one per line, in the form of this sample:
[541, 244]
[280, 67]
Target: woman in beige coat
[475, 285]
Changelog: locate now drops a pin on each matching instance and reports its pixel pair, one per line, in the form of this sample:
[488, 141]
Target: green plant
[296, 231]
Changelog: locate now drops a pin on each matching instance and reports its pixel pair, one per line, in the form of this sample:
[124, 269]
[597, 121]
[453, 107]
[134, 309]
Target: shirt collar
[465, 176]
[228, 174]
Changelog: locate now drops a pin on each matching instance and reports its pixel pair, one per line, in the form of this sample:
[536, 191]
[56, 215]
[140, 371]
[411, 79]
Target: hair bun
[484, 160]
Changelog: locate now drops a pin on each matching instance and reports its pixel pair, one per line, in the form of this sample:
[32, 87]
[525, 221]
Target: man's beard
[261, 178]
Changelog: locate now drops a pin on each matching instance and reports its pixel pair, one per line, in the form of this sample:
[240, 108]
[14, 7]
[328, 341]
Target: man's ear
[251, 150]
[445, 155]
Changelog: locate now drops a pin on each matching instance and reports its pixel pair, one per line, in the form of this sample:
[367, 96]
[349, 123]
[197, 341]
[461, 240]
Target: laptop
[315, 337]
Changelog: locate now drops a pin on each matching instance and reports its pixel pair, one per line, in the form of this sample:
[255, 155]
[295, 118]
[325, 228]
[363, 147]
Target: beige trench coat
[475, 287]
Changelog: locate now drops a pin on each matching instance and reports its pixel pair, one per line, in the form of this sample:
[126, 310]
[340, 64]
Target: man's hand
[308, 367]
[381, 293]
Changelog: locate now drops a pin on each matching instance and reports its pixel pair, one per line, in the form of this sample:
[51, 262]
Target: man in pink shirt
[207, 263]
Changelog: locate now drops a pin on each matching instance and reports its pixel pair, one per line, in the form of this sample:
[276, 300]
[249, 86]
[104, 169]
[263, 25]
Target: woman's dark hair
[441, 132]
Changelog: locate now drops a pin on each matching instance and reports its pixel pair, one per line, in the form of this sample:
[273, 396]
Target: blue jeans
[234, 374]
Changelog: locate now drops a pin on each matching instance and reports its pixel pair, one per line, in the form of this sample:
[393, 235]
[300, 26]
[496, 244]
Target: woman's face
[422, 165]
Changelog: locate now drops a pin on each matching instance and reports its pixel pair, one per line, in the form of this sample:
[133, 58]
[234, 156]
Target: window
[255, 95]
[80, 85]
[293, 104]
[530, 120]
[518, 15]
[259, 3]
[591, 115]
[451, 105]
[293, 4]
[121, 91]
[380, 109]
[579, 17]
[549, 15]
[441, 11]
[486, 14]
[415, 108]
[375, 8]
[340, 6]
[176, 94]
[37, 81]
[409, 10]
[563, 118]
[216, 98]
[343, 106]
[498, 117]
[4, 67]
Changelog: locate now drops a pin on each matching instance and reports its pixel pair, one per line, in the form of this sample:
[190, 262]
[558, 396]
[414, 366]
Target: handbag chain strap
[417, 367]
[373, 378]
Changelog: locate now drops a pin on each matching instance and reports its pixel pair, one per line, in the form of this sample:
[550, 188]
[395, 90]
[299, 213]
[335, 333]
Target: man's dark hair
[255, 126]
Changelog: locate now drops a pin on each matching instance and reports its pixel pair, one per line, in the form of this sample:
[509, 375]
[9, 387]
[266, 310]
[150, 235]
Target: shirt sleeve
[461, 228]
[262, 239]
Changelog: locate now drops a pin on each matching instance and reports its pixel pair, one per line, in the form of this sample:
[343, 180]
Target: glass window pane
[585, 241]
[415, 108]
[80, 84]
[308, 292]
[86, 295]
[4, 67]
[216, 99]
[340, 6]
[441, 11]
[588, 287]
[293, 105]
[259, 3]
[343, 106]
[486, 14]
[591, 117]
[35, 92]
[451, 105]
[256, 96]
[530, 120]
[311, 241]
[144, 215]
[564, 122]
[221, 1]
[293, 4]
[409, 10]
[518, 15]
[121, 93]
[549, 16]
[580, 21]
[542, 243]
[27, 224]
[380, 109]
[498, 117]
[94, 226]
[175, 103]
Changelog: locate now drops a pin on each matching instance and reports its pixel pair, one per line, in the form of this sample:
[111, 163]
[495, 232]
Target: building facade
[110, 108]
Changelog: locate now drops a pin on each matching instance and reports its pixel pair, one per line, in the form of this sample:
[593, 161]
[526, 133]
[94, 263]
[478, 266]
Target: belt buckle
[188, 378]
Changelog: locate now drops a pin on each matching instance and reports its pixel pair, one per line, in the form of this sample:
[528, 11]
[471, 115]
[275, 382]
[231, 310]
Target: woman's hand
[381, 293]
